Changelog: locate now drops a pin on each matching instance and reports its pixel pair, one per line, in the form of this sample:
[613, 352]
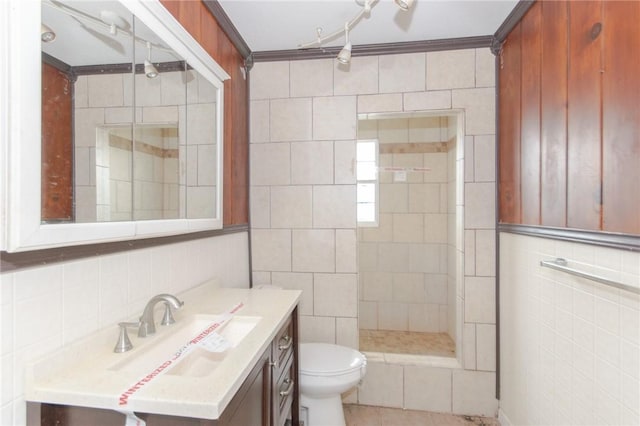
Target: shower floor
[407, 342]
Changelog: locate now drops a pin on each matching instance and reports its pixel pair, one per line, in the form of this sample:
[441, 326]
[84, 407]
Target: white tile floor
[363, 415]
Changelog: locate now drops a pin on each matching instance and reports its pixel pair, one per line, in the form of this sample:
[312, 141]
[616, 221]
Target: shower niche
[409, 169]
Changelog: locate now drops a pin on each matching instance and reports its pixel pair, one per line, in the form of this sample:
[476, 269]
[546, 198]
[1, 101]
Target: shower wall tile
[259, 121]
[393, 131]
[480, 205]
[377, 286]
[408, 228]
[271, 249]
[291, 206]
[424, 318]
[474, 392]
[269, 80]
[260, 200]
[106, 90]
[393, 316]
[435, 228]
[368, 315]
[270, 164]
[312, 163]
[344, 162]
[346, 250]
[347, 333]
[290, 119]
[486, 347]
[479, 105]
[80, 92]
[313, 250]
[469, 346]
[382, 385]
[335, 295]
[484, 159]
[402, 73]
[393, 198]
[451, 69]
[359, 78]
[485, 68]
[334, 206]
[427, 389]
[297, 281]
[334, 118]
[480, 300]
[311, 78]
[408, 288]
[317, 329]
[485, 249]
[420, 101]
[380, 103]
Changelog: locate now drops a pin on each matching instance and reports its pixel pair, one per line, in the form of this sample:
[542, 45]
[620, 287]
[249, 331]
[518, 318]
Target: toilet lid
[329, 360]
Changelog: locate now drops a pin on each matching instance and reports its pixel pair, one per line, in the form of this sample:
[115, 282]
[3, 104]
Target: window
[367, 182]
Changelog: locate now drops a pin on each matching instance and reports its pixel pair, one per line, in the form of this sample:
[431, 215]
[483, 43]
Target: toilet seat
[326, 360]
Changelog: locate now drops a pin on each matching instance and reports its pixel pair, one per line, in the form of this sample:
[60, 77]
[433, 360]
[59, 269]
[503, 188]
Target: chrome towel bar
[560, 264]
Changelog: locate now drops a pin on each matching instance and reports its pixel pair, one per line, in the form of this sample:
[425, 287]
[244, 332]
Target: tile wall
[108, 101]
[570, 347]
[303, 130]
[403, 262]
[45, 308]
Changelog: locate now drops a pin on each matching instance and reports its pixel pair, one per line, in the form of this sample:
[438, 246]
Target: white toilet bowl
[326, 371]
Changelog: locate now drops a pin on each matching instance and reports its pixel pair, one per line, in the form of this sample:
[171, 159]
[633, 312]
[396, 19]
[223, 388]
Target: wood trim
[513, 19]
[227, 26]
[375, 49]
[15, 261]
[596, 238]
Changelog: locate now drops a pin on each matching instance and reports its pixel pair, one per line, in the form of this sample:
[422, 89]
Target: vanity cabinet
[268, 397]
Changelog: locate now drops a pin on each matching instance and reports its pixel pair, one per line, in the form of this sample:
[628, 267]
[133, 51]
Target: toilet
[327, 371]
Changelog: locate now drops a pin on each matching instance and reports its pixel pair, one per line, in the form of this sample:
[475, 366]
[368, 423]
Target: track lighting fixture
[149, 70]
[404, 4]
[46, 34]
[344, 57]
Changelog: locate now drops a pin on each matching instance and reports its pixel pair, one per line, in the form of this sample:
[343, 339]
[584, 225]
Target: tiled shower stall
[304, 118]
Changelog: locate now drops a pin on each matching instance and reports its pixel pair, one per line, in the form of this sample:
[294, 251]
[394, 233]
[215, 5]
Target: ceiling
[285, 24]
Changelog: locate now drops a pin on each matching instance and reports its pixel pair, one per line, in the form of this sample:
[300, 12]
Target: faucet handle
[167, 318]
[124, 344]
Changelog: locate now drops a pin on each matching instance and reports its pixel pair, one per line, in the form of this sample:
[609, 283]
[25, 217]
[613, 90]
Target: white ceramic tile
[297, 281]
[317, 329]
[484, 158]
[486, 347]
[270, 164]
[260, 200]
[377, 286]
[312, 78]
[469, 252]
[485, 68]
[360, 77]
[408, 228]
[105, 90]
[290, 119]
[395, 130]
[291, 206]
[402, 73]
[380, 103]
[427, 389]
[312, 163]
[451, 69]
[344, 162]
[271, 249]
[335, 295]
[469, 346]
[80, 92]
[346, 250]
[367, 256]
[313, 250]
[269, 80]
[393, 316]
[435, 228]
[420, 101]
[334, 206]
[479, 105]
[382, 385]
[368, 315]
[473, 392]
[334, 118]
[479, 205]
[347, 332]
[86, 120]
[480, 300]
[259, 121]
[423, 198]
[485, 249]
[408, 287]
[425, 258]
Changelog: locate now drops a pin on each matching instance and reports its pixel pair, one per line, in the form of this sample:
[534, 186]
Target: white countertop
[82, 374]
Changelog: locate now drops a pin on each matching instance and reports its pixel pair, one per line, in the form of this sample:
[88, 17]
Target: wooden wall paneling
[621, 117]
[584, 117]
[530, 117]
[509, 128]
[57, 145]
[554, 114]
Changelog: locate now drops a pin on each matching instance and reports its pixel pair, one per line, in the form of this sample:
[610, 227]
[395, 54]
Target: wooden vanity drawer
[283, 346]
[284, 393]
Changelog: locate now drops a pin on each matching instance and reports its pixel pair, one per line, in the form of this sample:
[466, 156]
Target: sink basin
[194, 361]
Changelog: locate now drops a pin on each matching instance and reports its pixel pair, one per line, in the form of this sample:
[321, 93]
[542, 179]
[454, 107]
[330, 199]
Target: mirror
[130, 141]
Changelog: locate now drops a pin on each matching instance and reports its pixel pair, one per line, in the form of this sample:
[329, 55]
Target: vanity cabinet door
[284, 389]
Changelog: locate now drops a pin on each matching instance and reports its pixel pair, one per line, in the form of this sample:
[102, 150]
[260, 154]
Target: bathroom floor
[407, 342]
[362, 415]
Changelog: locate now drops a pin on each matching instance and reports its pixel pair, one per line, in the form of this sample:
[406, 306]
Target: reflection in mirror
[129, 128]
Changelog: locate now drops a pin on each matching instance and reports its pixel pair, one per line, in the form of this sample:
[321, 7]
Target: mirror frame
[20, 95]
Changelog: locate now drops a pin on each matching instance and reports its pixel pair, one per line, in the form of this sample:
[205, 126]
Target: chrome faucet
[147, 324]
